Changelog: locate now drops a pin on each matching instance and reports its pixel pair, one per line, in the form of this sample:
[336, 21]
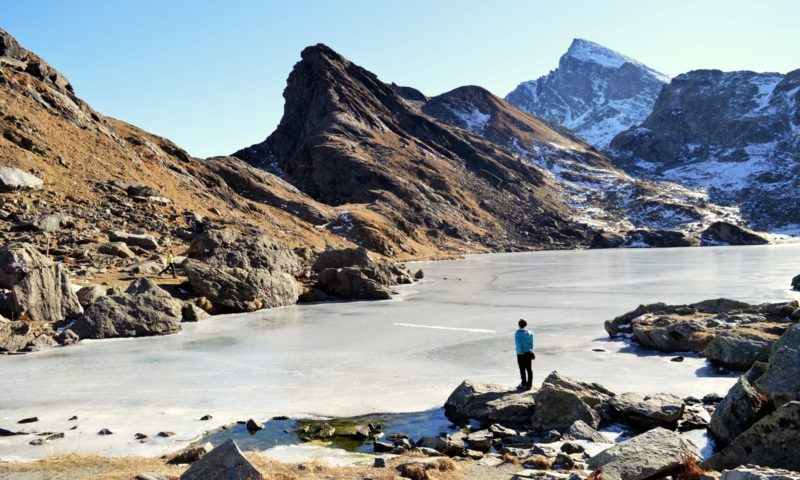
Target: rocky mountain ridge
[734, 134]
[595, 91]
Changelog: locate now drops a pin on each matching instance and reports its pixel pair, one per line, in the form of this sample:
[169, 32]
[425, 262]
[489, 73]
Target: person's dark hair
[522, 323]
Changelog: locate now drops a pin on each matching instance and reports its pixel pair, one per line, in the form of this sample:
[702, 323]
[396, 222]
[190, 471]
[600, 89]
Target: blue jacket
[524, 341]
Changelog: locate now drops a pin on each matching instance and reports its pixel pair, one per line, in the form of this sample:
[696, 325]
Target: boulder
[656, 239]
[116, 249]
[562, 401]
[737, 411]
[796, 282]
[345, 257]
[67, 337]
[446, 445]
[191, 454]
[781, 382]
[144, 309]
[738, 350]
[242, 271]
[488, 403]
[581, 430]
[14, 179]
[143, 240]
[241, 290]
[353, 283]
[649, 411]
[39, 288]
[225, 462]
[89, 295]
[192, 313]
[607, 240]
[655, 453]
[480, 440]
[724, 233]
[770, 442]
[753, 472]
[14, 336]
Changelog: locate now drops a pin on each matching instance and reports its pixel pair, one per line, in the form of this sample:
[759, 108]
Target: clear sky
[209, 75]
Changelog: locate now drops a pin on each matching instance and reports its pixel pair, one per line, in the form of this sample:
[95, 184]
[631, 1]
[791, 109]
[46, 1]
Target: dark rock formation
[429, 181]
[724, 233]
[226, 462]
[488, 404]
[562, 401]
[656, 239]
[649, 411]
[144, 309]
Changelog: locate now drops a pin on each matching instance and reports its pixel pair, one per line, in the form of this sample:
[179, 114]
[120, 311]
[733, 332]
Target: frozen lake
[402, 355]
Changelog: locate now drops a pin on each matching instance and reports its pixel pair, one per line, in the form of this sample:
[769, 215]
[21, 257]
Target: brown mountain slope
[346, 138]
[101, 175]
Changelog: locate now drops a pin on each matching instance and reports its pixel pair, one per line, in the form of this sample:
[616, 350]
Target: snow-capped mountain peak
[595, 91]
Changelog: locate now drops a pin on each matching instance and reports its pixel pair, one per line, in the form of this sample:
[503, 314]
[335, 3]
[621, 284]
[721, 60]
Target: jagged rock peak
[587, 51]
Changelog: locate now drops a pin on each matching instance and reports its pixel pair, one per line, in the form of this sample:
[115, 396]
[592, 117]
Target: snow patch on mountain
[471, 119]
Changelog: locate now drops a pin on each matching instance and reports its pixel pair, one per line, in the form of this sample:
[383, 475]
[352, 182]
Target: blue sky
[209, 75]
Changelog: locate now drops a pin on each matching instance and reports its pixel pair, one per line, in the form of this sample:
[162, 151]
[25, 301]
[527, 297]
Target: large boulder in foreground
[771, 442]
[656, 453]
[242, 271]
[226, 462]
[39, 288]
[739, 350]
[488, 403]
[736, 412]
[144, 309]
[781, 382]
[562, 401]
[649, 411]
[724, 233]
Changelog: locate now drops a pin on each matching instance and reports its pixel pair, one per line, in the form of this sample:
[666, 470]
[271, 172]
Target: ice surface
[358, 357]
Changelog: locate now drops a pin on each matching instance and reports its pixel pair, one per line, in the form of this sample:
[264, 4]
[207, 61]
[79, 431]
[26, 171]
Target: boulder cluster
[728, 333]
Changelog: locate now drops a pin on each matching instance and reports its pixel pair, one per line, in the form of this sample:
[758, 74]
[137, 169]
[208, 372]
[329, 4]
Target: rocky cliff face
[602, 195]
[349, 140]
[734, 134]
[595, 91]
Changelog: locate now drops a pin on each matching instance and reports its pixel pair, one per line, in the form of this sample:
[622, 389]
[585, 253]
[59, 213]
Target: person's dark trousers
[169, 267]
[525, 369]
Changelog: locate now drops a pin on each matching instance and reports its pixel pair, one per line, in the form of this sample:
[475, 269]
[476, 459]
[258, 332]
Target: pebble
[105, 431]
[29, 420]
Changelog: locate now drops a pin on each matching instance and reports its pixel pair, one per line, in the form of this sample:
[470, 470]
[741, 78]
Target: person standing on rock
[524, 343]
[170, 265]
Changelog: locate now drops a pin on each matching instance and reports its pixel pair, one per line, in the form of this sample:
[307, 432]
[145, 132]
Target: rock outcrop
[796, 282]
[144, 309]
[724, 233]
[37, 288]
[729, 333]
[649, 411]
[736, 412]
[352, 273]
[242, 272]
[770, 442]
[488, 404]
[654, 454]
[14, 179]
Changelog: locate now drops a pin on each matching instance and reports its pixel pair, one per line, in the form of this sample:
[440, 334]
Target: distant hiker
[524, 342]
[170, 265]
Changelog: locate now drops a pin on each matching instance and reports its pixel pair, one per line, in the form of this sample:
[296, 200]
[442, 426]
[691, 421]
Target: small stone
[140, 436]
[37, 442]
[678, 359]
[380, 462]
[572, 447]
[73, 418]
[166, 434]
[29, 420]
[105, 431]
[205, 418]
[252, 426]
[55, 436]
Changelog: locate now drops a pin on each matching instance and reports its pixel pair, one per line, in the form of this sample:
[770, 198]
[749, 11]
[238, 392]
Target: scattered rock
[677, 359]
[253, 426]
[117, 249]
[143, 310]
[89, 295]
[67, 337]
[145, 241]
[572, 447]
[657, 452]
[419, 275]
[37, 442]
[381, 462]
[480, 440]
[105, 431]
[796, 282]
[226, 462]
[29, 420]
[140, 436]
[580, 430]
[562, 401]
[656, 239]
[649, 411]
[739, 350]
[607, 240]
[166, 434]
[781, 382]
[206, 418]
[14, 179]
[724, 233]
[736, 412]
[191, 454]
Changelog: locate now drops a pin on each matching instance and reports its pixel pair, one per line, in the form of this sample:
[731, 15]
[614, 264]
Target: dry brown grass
[596, 475]
[690, 470]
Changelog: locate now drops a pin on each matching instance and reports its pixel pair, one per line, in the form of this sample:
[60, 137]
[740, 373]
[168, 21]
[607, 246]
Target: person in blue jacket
[524, 342]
